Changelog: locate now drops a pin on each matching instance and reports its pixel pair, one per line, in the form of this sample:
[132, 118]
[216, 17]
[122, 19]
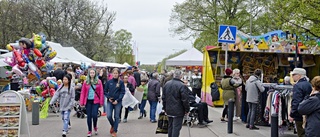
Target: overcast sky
[148, 21]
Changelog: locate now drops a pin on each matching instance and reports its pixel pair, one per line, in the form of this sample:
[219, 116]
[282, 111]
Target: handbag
[162, 124]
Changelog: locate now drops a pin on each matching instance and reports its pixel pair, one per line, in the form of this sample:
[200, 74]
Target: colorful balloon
[18, 56]
[40, 63]
[12, 46]
[38, 89]
[31, 66]
[48, 92]
[17, 71]
[9, 61]
[31, 57]
[37, 52]
[43, 84]
[37, 41]
[53, 84]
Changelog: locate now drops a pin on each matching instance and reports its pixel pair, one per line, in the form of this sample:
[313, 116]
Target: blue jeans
[153, 109]
[65, 119]
[92, 114]
[117, 108]
[141, 106]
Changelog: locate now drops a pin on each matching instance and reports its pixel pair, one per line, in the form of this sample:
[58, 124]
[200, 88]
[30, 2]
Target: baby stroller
[81, 111]
[192, 117]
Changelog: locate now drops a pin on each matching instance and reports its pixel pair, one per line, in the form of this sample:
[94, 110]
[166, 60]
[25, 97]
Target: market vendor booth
[274, 53]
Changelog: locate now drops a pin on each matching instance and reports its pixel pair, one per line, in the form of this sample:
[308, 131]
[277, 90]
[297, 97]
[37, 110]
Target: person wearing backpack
[92, 98]
[196, 83]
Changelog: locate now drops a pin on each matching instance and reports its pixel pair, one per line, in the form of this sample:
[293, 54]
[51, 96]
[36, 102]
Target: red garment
[50, 91]
[85, 90]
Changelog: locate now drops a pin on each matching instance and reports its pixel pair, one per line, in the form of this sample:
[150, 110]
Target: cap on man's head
[299, 71]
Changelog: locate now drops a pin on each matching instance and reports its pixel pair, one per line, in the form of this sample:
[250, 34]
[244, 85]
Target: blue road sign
[227, 34]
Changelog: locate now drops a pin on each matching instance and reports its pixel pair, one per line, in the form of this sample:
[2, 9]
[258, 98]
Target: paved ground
[51, 127]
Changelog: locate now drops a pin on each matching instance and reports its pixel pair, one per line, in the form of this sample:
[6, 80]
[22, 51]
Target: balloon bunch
[47, 87]
[29, 56]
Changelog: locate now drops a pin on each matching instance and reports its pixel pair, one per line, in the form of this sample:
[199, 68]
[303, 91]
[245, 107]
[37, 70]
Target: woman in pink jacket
[92, 98]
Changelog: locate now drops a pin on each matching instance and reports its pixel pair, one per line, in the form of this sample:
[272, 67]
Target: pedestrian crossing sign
[227, 34]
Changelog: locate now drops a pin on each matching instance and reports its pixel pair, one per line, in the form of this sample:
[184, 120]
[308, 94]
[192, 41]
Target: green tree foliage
[163, 62]
[83, 24]
[200, 19]
[148, 68]
[123, 47]
[298, 16]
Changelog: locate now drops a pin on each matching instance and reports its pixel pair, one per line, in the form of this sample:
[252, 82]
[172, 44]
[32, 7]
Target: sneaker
[235, 118]
[69, 126]
[140, 117]
[114, 134]
[89, 134]
[103, 114]
[96, 131]
[111, 130]
[125, 120]
[153, 121]
[253, 128]
[64, 134]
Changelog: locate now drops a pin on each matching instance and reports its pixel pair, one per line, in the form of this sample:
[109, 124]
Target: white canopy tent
[106, 64]
[191, 57]
[68, 55]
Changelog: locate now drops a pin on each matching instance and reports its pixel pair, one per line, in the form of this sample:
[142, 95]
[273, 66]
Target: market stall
[273, 52]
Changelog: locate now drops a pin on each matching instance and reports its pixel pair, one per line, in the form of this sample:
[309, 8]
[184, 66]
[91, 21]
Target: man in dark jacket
[153, 96]
[310, 107]
[175, 103]
[59, 73]
[301, 89]
[136, 76]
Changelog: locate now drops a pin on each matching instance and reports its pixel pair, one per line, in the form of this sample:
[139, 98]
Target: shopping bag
[129, 100]
[45, 108]
[133, 99]
[159, 108]
[162, 124]
[138, 94]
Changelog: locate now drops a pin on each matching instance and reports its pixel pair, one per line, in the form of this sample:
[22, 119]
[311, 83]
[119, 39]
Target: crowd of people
[106, 87]
[305, 103]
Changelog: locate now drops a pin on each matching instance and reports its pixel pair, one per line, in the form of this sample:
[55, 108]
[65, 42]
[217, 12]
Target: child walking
[66, 95]
[92, 98]
[144, 98]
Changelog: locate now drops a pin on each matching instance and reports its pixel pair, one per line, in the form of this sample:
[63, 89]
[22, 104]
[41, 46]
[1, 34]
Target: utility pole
[250, 17]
